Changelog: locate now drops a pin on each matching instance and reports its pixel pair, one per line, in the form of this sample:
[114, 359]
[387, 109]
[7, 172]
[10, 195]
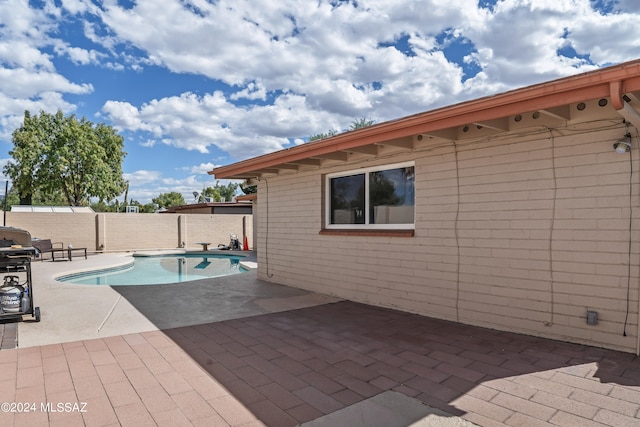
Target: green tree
[355, 124]
[209, 193]
[102, 206]
[12, 199]
[58, 154]
[219, 192]
[142, 208]
[319, 136]
[166, 200]
[26, 153]
[148, 208]
[361, 123]
[248, 189]
[227, 191]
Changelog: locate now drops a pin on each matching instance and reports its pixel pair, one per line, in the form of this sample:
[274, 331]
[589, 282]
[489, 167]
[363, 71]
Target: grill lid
[10, 236]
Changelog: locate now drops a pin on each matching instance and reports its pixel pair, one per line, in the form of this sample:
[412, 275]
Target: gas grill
[16, 290]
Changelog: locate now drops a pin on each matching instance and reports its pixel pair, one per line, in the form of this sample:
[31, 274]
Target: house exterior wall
[523, 233]
[128, 232]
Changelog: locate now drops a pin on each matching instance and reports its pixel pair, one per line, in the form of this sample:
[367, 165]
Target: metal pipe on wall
[6, 194]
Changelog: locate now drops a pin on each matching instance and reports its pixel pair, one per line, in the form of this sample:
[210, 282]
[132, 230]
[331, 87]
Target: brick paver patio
[287, 368]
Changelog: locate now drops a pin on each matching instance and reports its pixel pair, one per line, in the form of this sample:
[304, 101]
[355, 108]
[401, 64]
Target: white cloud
[125, 116]
[21, 54]
[81, 56]
[202, 168]
[144, 185]
[28, 77]
[333, 58]
[606, 39]
[21, 83]
[251, 91]
[193, 123]
[519, 43]
[77, 6]
[142, 177]
[294, 68]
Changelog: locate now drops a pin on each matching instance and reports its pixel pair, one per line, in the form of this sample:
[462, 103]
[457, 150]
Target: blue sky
[194, 84]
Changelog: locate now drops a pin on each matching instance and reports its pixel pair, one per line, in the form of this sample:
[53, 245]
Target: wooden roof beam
[501, 124]
[618, 96]
[562, 112]
[406, 143]
[450, 134]
[370, 150]
[289, 166]
[271, 171]
[307, 162]
[633, 98]
[630, 114]
[336, 155]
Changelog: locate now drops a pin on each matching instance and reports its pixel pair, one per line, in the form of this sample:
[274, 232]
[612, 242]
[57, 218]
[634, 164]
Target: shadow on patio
[295, 366]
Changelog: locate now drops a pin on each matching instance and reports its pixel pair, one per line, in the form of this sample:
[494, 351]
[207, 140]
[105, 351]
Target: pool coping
[128, 260]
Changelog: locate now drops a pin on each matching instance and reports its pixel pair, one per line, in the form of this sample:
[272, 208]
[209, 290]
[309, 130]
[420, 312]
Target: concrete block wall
[216, 229]
[78, 229]
[139, 231]
[524, 234]
[114, 232]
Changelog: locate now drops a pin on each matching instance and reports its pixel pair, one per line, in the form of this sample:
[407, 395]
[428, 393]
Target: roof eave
[612, 82]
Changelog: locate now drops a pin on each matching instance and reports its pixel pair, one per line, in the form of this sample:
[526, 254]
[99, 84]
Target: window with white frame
[382, 197]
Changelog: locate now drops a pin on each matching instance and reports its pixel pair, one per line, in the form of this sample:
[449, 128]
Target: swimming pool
[160, 269]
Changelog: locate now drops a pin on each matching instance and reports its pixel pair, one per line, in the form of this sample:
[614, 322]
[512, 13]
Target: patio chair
[45, 246]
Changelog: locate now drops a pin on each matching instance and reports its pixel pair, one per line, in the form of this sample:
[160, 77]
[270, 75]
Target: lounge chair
[45, 246]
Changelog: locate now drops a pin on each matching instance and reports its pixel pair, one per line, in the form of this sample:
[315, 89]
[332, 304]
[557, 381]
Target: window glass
[391, 196]
[347, 200]
[380, 197]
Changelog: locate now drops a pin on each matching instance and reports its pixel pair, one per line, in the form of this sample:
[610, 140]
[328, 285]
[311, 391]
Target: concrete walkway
[293, 358]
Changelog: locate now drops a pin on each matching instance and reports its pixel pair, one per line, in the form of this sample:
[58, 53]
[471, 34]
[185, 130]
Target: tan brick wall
[524, 233]
[129, 232]
[79, 229]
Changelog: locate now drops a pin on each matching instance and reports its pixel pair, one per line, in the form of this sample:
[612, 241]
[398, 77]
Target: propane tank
[11, 294]
[26, 301]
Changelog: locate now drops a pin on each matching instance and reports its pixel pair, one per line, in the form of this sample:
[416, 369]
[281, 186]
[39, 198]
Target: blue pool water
[155, 270]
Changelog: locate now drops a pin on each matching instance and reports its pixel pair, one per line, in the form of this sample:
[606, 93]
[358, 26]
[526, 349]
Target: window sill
[361, 232]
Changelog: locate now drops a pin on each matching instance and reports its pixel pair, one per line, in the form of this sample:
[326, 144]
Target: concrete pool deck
[73, 312]
[282, 357]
